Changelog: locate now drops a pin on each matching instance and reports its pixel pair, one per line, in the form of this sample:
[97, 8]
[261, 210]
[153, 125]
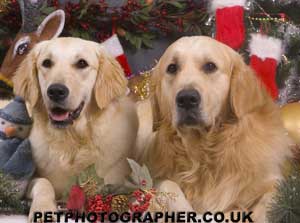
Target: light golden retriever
[219, 135]
[81, 115]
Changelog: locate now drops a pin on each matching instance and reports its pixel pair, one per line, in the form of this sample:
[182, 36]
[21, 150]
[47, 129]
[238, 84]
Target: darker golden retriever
[218, 134]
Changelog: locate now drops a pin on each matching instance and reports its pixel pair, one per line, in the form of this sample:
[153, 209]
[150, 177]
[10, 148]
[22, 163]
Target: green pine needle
[285, 207]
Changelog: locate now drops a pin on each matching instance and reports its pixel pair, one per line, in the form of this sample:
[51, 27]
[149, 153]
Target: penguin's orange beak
[10, 131]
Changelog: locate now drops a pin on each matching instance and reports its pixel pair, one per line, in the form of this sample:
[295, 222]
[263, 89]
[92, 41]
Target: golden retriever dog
[76, 92]
[219, 137]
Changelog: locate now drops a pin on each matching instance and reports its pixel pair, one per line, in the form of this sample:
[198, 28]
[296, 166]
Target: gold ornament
[119, 203]
[90, 187]
[290, 114]
[141, 85]
[3, 4]
[160, 201]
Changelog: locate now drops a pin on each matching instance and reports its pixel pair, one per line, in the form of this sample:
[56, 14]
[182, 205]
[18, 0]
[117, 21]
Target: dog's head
[66, 73]
[199, 80]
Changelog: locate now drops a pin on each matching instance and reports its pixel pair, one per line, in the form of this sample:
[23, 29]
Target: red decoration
[230, 27]
[266, 70]
[265, 54]
[142, 201]
[114, 47]
[76, 200]
[99, 204]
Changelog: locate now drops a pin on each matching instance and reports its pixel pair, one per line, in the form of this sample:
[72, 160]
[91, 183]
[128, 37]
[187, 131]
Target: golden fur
[232, 160]
[104, 133]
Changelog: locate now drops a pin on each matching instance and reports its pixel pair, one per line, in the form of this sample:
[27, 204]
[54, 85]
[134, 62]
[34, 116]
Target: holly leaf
[88, 173]
[138, 42]
[75, 33]
[85, 35]
[176, 4]
[147, 43]
[147, 176]
[84, 10]
[71, 182]
[139, 177]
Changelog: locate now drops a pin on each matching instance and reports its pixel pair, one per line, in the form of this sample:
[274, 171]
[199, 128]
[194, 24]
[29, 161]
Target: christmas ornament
[3, 5]
[15, 150]
[140, 85]
[290, 114]
[76, 199]
[136, 195]
[230, 27]
[114, 47]
[16, 162]
[98, 204]
[265, 53]
[120, 203]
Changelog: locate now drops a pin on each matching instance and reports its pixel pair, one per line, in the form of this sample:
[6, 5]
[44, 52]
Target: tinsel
[285, 207]
[291, 91]
[3, 5]
[288, 72]
[287, 2]
[141, 86]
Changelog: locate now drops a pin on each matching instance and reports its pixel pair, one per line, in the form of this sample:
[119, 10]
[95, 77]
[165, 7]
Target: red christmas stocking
[230, 27]
[114, 47]
[265, 54]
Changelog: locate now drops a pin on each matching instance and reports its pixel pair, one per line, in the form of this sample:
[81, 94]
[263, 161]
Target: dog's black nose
[57, 92]
[188, 99]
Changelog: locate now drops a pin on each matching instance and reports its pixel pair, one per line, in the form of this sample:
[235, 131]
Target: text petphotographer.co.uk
[207, 217]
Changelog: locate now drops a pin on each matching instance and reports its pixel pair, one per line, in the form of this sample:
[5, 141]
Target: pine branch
[285, 207]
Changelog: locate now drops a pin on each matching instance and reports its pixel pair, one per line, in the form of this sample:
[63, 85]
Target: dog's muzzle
[187, 103]
[61, 117]
[57, 92]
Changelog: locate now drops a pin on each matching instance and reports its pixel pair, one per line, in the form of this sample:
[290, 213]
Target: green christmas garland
[285, 207]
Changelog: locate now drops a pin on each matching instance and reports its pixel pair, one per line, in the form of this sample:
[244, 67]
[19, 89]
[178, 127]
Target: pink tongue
[59, 117]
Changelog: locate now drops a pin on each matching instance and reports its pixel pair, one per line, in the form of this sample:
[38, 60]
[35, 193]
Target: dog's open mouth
[61, 117]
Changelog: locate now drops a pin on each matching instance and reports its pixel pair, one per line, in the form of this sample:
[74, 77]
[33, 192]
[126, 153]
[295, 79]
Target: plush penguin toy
[15, 149]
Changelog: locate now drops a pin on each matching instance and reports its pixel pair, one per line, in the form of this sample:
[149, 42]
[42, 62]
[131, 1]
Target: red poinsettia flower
[76, 199]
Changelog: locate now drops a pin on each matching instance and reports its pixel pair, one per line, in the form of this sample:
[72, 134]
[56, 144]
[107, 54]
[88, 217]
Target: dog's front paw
[39, 207]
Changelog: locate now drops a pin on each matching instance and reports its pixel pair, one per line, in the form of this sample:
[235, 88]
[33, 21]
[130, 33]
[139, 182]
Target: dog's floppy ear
[247, 93]
[155, 97]
[25, 79]
[111, 82]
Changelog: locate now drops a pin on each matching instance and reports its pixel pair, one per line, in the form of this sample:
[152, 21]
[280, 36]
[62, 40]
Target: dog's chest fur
[62, 153]
[225, 171]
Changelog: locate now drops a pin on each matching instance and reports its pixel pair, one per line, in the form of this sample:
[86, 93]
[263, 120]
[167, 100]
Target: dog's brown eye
[47, 63]
[81, 64]
[172, 68]
[209, 67]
